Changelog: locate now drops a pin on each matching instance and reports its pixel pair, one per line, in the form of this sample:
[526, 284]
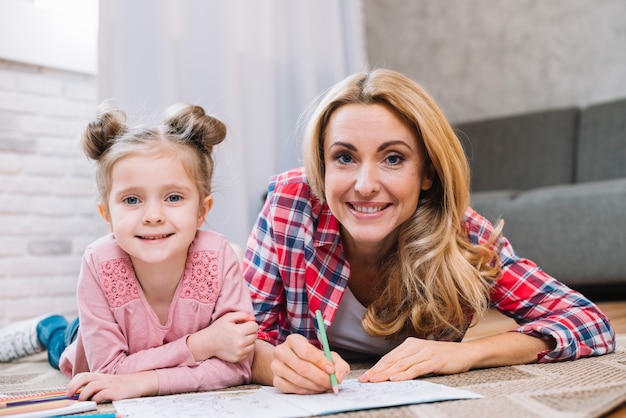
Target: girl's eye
[131, 200]
[174, 198]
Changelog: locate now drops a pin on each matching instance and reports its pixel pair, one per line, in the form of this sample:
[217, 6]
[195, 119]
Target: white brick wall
[47, 202]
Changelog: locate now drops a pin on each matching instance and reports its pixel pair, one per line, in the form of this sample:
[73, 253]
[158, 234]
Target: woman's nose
[367, 180]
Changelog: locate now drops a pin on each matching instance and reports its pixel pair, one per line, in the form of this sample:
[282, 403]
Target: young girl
[163, 307]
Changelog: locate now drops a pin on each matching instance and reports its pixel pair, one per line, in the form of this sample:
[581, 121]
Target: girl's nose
[367, 181]
[153, 213]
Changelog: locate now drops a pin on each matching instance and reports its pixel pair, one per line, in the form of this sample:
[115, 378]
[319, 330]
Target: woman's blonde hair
[437, 279]
[187, 132]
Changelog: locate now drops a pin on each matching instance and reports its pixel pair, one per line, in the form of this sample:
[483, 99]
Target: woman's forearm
[506, 349]
[261, 366]
[417, 357]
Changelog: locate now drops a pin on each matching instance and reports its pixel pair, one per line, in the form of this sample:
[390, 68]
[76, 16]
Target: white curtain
[255, 64]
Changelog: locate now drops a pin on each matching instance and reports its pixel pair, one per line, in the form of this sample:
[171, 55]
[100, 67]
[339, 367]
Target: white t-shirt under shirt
[347, 334]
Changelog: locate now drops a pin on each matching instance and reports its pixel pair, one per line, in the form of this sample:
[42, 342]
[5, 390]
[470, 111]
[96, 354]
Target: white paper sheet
[267, 402]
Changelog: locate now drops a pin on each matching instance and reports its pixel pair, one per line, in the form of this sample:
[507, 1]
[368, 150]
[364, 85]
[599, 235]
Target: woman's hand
[101, 387]
[299, 367]
[230, 338]
[416, 357]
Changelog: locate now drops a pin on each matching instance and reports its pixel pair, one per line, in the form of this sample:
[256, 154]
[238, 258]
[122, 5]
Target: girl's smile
[154, 209]
[154, 237]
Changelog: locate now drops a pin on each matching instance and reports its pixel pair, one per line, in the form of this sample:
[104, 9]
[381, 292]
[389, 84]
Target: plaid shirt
[294, 265]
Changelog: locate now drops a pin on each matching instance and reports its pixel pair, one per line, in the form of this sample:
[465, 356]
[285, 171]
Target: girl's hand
[416, 357]
[101, 387]
[230, 338]
[299, 367]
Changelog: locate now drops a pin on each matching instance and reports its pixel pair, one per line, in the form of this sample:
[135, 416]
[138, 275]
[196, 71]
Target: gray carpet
[588, 387]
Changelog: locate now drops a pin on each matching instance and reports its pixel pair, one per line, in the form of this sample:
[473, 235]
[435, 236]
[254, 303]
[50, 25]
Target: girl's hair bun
[100, 134]
[190, 122]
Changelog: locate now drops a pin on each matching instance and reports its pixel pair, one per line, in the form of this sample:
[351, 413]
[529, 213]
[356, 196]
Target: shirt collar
[328, 228]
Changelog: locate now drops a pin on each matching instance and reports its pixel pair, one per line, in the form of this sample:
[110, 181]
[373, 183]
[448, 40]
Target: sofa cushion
[576, 233]
[521, 152]
[602, 142]
[493, 204]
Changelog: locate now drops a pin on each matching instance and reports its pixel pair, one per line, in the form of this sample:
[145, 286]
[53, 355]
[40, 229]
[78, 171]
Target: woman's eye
[343, 158]
[394, 159]
[131, 200]
[174, 198]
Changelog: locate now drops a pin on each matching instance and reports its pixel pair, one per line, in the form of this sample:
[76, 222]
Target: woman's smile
[368, 208]
[375, 170]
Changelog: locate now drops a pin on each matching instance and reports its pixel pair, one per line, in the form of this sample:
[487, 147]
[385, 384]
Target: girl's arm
[102, 387]
[231, 338]
[109, 332]
[174, 364]
[215, 372]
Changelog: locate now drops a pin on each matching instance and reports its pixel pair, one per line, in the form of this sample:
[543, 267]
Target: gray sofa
[558, 179]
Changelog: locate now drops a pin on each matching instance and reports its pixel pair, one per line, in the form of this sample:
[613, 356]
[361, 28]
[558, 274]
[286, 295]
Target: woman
[376, 232]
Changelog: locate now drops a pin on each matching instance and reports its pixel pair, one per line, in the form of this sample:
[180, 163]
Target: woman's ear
[105, 215]
[205, 208]
[429, 176]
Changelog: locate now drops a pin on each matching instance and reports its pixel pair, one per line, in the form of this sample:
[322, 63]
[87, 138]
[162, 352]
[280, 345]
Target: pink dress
[119, 332]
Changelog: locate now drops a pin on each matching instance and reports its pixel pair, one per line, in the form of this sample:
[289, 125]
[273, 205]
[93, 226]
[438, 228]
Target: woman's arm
[557, 323]
[261, 271]
[547, 309]
[543, 306]
[416, 357]
[296, 366]
[261, 366]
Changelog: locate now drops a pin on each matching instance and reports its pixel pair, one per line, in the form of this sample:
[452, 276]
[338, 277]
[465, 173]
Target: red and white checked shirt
[294, 264]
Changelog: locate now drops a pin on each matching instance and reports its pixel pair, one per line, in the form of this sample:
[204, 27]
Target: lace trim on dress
[200, 279]
[118, 281]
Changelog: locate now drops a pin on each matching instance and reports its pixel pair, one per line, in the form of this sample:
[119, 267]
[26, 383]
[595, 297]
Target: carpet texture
[588, 387]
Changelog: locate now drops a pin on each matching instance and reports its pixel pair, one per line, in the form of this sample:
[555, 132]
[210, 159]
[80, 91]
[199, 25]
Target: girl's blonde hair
[436, 278]
[187, 132]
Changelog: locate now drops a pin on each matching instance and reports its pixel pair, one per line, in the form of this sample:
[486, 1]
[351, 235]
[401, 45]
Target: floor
[495, 322]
